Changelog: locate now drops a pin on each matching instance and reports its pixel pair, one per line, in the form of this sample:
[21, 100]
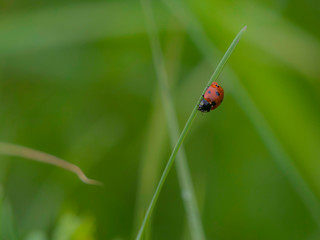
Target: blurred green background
[77, 81]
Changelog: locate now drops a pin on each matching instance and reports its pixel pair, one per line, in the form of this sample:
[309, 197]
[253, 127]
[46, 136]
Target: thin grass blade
[35, 155]
[184, 176]
[184, 133]
[280, 156]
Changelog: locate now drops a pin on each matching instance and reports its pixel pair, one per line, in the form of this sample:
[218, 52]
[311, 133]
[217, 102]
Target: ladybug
[212, 98]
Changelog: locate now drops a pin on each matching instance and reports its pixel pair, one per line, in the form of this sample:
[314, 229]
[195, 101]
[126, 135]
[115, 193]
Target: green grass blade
[151, 159]
[225, 58]
[183, 172]
[280, 156]
[183, 135]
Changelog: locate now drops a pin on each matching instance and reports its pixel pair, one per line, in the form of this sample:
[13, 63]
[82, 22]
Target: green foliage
[77, 81]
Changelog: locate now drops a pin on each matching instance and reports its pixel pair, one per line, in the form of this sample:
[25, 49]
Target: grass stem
[259, 122]
[35, 155]
[183, 172]
[192, 116]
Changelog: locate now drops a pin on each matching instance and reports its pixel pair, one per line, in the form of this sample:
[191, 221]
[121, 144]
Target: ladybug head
[204, 106]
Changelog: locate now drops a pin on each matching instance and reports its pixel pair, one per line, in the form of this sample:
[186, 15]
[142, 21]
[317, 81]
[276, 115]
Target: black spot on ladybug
[213, 103]
[218, 94]
[209, 92]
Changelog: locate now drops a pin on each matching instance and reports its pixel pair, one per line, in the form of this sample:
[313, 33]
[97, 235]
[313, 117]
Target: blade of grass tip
[280, 156]
[184, 176]
[185, 130]
[35, 155]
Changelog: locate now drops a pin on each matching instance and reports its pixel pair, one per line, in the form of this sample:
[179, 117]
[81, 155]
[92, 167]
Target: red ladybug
[212, 98]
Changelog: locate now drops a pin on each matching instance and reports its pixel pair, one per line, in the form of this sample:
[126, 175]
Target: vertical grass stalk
[183, 172]
[192, 116]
